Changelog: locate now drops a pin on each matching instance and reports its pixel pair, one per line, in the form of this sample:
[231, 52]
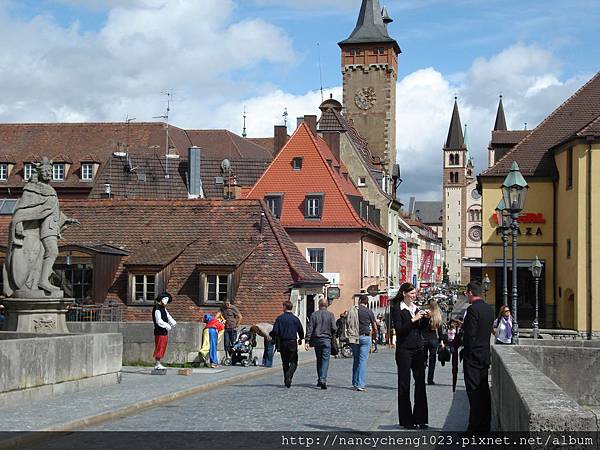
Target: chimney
[299, 121]
[311, 121]
[194, 180]
[333, 142]
[411, 206]
[280, 138]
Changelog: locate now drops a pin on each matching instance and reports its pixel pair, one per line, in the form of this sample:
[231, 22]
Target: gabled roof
[532, 153]
[429, 212]
[187, 234]
[333, 120]
[370, 26]
[455, 139]
[75, 142]
[315, 176]
[225, 144]
[509, 137]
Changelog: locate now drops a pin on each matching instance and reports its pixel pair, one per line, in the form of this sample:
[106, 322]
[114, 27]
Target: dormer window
[274, 202]
[58, 172]
[3, 171]
[27, 171]
[297, 163]
[87, 171]
[314, 206]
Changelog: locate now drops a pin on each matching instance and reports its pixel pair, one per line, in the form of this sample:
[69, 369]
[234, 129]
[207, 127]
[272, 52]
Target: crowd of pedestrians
[419, 335]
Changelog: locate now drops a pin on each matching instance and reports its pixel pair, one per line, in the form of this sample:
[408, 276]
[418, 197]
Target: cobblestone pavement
[264, 404]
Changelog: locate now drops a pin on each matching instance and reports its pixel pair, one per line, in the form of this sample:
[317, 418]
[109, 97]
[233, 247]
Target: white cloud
[52, 73]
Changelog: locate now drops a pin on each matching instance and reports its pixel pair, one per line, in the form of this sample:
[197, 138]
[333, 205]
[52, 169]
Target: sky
[110, 60]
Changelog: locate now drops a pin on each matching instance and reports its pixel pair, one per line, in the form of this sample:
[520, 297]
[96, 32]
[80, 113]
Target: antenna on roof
[320, 70]
[285, 116]
[244, 130]
[169, 94]
[525, 126]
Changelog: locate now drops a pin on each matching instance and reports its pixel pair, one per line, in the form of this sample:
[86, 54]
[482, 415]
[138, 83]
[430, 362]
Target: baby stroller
[242, 350]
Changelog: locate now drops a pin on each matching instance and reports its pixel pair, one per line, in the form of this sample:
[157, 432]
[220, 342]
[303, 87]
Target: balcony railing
[95, 313]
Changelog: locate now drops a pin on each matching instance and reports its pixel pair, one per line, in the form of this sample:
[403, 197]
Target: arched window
[451, 159]
[456, 159]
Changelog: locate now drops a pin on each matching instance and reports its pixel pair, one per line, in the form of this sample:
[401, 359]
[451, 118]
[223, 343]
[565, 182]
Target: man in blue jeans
[233, 318]
[362, 323]
[321, 329]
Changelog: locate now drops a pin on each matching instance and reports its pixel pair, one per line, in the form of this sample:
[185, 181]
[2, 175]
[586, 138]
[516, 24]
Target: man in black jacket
[288, 333]
[477, 329]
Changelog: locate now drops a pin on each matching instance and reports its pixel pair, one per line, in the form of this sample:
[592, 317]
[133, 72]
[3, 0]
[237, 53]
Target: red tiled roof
[225, 144]
[315, 176]
[191, 233]
[532, 153]
[73, 142]
[508, 137]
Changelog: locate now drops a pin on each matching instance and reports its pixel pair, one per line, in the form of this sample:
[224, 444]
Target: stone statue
[33, 238]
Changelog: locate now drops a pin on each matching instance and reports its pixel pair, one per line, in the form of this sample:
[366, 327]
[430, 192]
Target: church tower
[458, 171]
[370, 71]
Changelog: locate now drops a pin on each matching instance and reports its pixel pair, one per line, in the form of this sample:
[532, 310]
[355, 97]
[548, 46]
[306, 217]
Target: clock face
[365, 98]
[475, 194]
[475, 233]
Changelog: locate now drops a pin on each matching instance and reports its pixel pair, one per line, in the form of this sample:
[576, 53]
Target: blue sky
[104, 60]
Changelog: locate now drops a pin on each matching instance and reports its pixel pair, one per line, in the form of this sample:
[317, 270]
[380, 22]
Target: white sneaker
[159, 366]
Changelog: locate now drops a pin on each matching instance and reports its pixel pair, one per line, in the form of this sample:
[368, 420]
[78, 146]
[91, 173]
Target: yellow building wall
[539, 201]
[571, 203]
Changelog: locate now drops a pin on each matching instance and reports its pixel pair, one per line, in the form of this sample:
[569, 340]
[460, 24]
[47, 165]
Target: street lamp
[503, 217]
[486, 286]
[514, 191]
[536, 270]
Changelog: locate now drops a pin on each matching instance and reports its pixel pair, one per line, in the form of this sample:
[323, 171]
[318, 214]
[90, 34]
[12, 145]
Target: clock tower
[370, 71]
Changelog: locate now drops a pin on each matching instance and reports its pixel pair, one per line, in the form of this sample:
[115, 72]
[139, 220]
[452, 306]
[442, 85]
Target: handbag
[443, 354]
[334, 347]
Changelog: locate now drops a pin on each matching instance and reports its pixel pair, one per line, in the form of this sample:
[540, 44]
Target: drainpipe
[589, 240]
[362, 263]
[554, 256]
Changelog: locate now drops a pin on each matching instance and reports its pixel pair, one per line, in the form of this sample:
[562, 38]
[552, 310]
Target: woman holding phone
[409, 322]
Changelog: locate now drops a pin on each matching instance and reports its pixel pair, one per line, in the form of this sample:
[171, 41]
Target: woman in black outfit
[409, 322]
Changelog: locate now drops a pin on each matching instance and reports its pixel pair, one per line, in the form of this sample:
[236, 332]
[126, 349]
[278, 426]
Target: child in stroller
[242, 350]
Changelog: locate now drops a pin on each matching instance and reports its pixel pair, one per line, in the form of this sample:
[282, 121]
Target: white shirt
[501, 332]
[412, 308]
[162, 323]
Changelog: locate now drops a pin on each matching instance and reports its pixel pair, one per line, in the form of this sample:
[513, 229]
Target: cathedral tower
[457, 172]
[370, 71]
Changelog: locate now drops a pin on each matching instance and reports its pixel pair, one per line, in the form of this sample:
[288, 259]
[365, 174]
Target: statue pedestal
[37, 315]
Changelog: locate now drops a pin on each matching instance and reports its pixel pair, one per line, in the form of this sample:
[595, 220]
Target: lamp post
[514, 192]
[503, 217]
[486, 286]
[536, 270]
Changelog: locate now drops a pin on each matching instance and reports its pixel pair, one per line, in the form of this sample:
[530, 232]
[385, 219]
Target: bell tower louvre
[370, 72]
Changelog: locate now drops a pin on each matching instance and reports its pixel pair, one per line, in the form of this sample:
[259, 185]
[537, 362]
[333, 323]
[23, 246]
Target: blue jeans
[267, 359]
[360, 354]
[323, 352]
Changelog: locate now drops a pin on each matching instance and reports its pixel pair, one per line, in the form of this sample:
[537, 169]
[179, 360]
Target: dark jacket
[287, 329]
[477, 329]
[408, 333]
[321, 325]
[160, 331]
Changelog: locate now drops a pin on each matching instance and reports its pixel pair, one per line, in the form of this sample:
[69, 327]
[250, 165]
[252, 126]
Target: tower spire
[500, 124]
[371, 26]
[244, 130]
[455, 139]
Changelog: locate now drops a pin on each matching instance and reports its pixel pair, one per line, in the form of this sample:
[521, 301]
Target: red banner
[426, 264]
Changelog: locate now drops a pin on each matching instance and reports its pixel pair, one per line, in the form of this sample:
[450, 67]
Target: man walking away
[321, 329]
[233, 318]
[477, 328]
[288, 333]
[361, 324]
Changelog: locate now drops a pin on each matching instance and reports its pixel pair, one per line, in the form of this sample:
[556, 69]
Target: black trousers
[289, 358]
[407, 360]
[478, 391]
[430, 347]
